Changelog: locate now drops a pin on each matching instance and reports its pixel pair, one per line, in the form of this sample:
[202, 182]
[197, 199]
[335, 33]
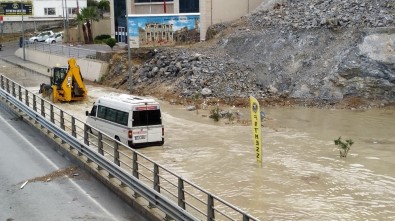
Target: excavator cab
[58, 76]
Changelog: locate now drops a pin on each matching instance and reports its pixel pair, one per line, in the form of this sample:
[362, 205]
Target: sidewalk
[27, 65]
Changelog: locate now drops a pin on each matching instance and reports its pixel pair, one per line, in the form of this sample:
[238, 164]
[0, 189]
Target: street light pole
[67, 22]
[64, 19]
[129, 52]
[23, 34]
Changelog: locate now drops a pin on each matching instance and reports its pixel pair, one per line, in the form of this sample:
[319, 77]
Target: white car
[55, 38]
[41, 37]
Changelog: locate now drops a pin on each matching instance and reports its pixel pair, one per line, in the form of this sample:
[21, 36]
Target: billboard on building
[163, 29]
[16, 8]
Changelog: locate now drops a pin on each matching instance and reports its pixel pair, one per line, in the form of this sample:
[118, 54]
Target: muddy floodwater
[302, 176]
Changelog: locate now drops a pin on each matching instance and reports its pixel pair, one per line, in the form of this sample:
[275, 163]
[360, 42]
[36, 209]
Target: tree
[81, 20]
[89, 14]
[92, 3]
[104, 5]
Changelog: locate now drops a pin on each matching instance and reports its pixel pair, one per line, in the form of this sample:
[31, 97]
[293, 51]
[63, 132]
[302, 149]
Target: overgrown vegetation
[344, 147]
[215, 114]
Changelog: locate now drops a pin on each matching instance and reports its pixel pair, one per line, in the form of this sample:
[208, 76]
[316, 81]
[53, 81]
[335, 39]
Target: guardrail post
[156, 178]
[2, 81]
[7, 81]
[181, 194]
[135, 165]
[116, 153]
[86, 137]
[42, 108]
[27, 97]
[100, 143]
[13, 88]
[100, 146]
[210, 208]
[73, 128]
[34, 103]
[52, 114]
[156, 184]
[245, 217]
[20, 92]
[135, 170]
[62, 120]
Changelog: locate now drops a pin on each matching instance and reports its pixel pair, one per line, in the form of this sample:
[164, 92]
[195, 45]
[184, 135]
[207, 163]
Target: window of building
[149, 1]
[72, 11]
[189, 6]
[49, 11]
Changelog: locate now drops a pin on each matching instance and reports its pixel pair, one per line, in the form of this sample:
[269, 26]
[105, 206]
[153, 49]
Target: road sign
[11, 8]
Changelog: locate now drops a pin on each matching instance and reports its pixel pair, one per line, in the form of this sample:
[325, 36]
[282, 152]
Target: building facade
[37, 13]
[211, 11]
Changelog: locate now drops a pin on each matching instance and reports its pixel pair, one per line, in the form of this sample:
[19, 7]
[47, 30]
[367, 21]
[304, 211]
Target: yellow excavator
[66, 84]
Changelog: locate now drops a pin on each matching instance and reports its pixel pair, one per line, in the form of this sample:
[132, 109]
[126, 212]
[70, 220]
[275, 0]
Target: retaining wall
[91, 70]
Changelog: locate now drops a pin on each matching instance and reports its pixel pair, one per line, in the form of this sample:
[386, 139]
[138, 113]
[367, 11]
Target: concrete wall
[91, 70]
[217, 11]
[30, 26]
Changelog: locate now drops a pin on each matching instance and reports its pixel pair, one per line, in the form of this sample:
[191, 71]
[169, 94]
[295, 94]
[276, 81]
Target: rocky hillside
[315, 51]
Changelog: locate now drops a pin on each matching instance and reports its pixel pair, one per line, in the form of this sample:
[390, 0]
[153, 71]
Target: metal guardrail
[175, 196]
[62, 50]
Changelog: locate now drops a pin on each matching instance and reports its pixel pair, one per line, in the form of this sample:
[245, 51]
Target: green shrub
[215, 114]
[344, 147]
[102, 37]
[110, 42]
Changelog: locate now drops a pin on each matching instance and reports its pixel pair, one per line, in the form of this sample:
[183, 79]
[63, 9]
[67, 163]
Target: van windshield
[146, 118]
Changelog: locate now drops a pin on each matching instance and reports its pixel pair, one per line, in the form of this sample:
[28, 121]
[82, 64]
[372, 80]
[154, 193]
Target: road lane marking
[57, 168]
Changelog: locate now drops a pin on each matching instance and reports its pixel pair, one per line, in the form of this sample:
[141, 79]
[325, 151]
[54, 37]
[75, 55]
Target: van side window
[146, 118]
[116, 116]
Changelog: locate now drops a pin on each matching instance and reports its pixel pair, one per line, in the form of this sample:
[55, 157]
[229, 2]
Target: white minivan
[132, 120]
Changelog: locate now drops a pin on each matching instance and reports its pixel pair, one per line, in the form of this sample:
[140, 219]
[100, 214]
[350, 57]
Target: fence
[63, 50]
[175, 196]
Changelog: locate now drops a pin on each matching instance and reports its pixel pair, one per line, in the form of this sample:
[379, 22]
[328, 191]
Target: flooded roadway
[302, 176]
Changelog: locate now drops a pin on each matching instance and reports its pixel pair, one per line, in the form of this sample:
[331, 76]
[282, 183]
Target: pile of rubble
[315, 50]
[299, 14]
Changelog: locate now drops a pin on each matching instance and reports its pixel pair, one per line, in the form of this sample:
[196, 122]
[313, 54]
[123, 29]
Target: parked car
[55, 38]
[41, 37]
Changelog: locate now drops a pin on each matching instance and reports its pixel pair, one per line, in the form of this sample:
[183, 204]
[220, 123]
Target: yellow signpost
[256, 128]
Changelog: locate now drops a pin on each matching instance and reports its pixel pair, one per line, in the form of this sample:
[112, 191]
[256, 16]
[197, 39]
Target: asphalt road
[56, 188]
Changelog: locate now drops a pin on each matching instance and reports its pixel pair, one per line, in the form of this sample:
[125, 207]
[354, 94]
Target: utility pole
[64, 19]
[67, 22]
[129, 52]
[23, 34]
